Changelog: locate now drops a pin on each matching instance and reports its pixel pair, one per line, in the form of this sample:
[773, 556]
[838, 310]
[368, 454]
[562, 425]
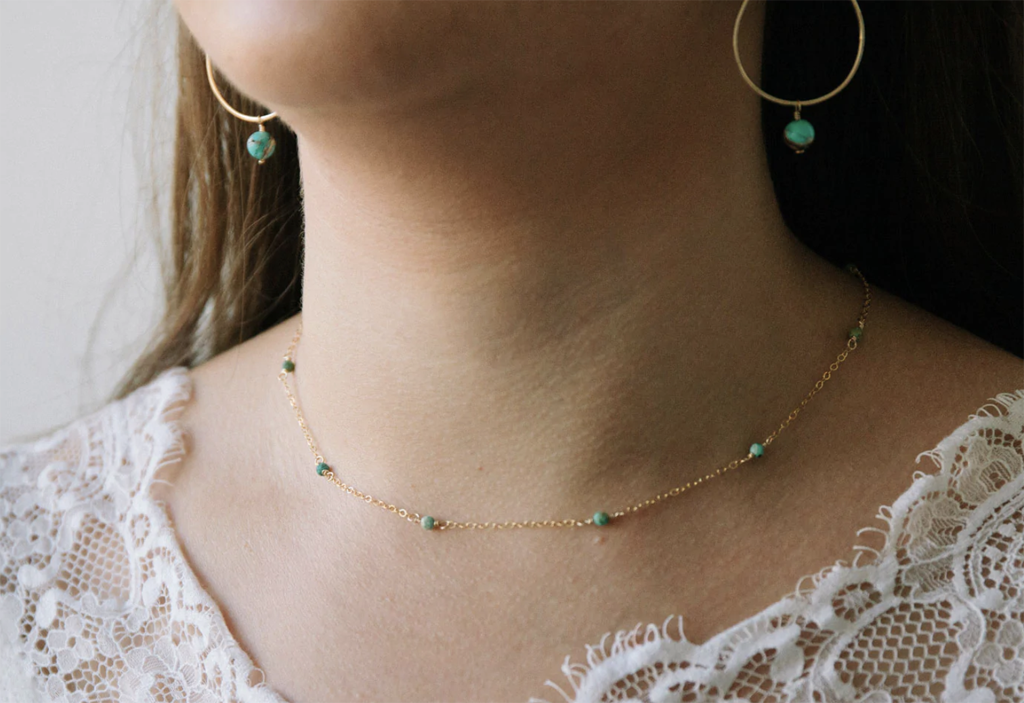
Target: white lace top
[97, 602]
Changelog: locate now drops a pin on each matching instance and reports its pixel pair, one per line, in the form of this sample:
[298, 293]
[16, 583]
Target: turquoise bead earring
[799, 134]
[261, 143]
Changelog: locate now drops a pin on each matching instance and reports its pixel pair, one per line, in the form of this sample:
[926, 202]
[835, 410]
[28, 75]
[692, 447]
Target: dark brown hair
[916, 176]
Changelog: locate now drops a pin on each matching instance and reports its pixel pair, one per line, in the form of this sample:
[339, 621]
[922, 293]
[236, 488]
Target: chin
[329, 53]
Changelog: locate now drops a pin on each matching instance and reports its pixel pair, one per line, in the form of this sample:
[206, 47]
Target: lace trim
[647, 643]
[100, 600]
[244, 680]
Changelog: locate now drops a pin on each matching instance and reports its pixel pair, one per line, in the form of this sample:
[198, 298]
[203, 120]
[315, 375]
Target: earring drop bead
[261, 144]
[799, 134]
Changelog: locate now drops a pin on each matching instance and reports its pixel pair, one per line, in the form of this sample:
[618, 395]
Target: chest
[405, 615]
[338, 600]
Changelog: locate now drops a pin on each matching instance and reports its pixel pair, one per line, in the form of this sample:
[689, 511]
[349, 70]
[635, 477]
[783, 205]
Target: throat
[552, 413]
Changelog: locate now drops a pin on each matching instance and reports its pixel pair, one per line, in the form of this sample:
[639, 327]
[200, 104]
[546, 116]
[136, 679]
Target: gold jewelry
[261, 144]
[799, 133]
[599, 518]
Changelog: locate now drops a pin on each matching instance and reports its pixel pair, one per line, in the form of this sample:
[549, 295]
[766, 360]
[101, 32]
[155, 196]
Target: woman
[544, 281]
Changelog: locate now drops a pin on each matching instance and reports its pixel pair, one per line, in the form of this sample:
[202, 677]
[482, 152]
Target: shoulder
[86, 456]
[927, 374]
[958, 402]
[67, 499]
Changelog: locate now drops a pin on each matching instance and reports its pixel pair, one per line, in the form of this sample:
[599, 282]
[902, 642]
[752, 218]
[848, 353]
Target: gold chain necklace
[599, 518]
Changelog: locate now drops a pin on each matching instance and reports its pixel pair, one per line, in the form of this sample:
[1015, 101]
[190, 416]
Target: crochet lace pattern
[97, 602]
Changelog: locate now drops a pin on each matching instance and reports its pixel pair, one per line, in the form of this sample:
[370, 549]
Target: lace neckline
[172, 390]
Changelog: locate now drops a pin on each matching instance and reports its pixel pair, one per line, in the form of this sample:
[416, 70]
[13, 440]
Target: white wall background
[86, 112]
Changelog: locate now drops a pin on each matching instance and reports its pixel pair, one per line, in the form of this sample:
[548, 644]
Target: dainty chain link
[443, 524]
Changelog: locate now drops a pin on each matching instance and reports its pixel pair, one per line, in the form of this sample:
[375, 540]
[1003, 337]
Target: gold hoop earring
[261, 144]
[799, 133]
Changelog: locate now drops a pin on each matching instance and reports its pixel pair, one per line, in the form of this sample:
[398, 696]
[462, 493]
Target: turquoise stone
[321, 468]
[856, 332]
[601, 518]
[757, 449]
[261, 145]
[427, 522]
[799, 134]
[288, 365]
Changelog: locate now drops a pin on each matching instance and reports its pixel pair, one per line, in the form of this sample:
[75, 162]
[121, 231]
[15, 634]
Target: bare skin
[527, 296]
[337, 600]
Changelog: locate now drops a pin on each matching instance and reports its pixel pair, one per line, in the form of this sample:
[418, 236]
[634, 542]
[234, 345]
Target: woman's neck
[523, 299]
